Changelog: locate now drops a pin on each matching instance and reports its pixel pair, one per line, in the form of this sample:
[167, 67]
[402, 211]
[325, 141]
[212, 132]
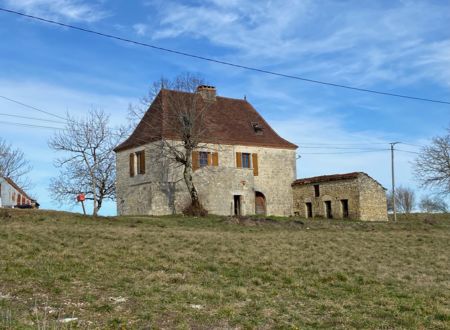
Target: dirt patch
[195, 209]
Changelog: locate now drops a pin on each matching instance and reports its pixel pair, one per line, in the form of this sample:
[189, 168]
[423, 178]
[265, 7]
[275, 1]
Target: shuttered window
[204, 158]
[238, 159]
[255, 164]
[215, 159]
[195, 160]
[140, 162]
[247, 160]
[132, 164]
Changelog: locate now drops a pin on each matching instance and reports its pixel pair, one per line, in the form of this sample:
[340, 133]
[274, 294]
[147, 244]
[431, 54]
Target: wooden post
[84, 210]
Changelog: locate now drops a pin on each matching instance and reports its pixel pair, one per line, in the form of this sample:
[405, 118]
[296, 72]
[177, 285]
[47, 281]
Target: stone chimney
[207, 92]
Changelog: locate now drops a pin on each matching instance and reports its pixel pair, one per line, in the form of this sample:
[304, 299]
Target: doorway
[344, 205]
[237, 205]
[309, 213]
[260, 203]
[328, 211]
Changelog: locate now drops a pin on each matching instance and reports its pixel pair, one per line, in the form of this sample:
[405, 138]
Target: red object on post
[81, 198]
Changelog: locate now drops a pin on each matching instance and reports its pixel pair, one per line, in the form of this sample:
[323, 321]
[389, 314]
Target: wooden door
[260, 203]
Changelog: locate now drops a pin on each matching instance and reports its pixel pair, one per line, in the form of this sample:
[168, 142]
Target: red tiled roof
[227, 121]
[327, 178]
[15, 186]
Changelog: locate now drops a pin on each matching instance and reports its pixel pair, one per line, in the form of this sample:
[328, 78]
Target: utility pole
[393, 180]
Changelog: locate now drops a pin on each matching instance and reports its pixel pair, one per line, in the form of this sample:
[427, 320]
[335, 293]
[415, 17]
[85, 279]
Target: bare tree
[390, 205]
[88, 165]
[432, 166]
[14, 165]
[433, 204]
[405, 199]
[184, 115]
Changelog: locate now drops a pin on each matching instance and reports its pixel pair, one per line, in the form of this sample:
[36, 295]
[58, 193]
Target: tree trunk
[94, 186]
[187, 173]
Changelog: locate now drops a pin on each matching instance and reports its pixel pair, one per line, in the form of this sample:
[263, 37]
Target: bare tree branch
[183, 114]
[14, 165]
[88, 164]
[432, 166]
[405, 199]
[433, 204]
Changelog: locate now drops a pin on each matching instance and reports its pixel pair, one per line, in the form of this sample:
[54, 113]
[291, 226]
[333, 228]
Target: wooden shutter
[142, 162]
[209, 159]
[255, 164]
[215, 159]
[131, 164]
[238, 159]
[195, 160]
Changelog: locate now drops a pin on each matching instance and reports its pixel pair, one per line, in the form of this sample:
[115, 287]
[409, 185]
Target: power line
[407, 151]
[32, 118]
[204, 58]
[335, 148]
[412, 145]
[30, 125]
[344, 144]
[30, 106]
[341, 153]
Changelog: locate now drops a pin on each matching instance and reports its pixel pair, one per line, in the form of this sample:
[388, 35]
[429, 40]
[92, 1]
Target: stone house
[242, 167]
[11, 195]
[341, 196]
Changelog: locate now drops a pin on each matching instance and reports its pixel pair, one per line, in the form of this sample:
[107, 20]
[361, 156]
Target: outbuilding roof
[329, 178]
[227, 121]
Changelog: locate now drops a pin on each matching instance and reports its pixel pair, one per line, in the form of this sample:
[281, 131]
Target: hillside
[64, 270]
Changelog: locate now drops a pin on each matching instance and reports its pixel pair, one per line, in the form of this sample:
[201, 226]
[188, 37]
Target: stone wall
[373, 204]
[366, 199]
[333, 191]
[161, 190]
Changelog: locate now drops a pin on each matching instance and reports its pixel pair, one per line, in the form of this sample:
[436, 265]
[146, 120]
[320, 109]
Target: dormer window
[257, 127]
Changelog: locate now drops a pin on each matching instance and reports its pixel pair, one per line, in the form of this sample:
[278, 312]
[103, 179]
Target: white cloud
[400, 42]
[140, 29]
[73, 10]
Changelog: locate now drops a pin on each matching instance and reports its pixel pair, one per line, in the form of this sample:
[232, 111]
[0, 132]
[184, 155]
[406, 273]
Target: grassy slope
[203, 273]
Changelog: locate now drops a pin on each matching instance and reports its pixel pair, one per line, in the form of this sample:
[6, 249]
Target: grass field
[176, 272]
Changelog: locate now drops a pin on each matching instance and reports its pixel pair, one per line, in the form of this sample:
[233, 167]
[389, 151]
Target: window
[203, 158]
[316, 190]
[137, 163]
[131, 165]
[257, 127]
[245, 160]
[140, 162]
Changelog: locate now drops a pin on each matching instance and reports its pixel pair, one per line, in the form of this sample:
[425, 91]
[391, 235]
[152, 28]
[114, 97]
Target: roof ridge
[228, 121]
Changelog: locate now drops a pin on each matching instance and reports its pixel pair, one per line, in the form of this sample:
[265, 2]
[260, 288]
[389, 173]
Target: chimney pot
[207, 92]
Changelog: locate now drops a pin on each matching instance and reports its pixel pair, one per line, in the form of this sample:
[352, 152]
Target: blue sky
[394, 46]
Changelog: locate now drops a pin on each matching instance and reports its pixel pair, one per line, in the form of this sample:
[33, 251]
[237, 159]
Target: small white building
[11, 195]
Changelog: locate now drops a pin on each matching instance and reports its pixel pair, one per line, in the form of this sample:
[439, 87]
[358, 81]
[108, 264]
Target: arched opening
[260, 203]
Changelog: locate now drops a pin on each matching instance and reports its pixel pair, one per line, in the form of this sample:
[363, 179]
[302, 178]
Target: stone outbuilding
[242, 166]
[340, 196]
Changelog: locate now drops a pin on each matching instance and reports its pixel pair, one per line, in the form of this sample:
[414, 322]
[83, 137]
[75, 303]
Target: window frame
[203, 159]
[249, 161]
[138, 156]
[316, 190]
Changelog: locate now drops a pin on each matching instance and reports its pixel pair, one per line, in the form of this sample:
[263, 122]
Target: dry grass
[180, 272]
